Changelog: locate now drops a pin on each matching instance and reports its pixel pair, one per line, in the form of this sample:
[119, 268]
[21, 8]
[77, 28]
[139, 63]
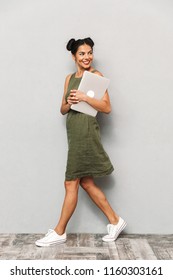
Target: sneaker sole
[116, 236]
[39, 244]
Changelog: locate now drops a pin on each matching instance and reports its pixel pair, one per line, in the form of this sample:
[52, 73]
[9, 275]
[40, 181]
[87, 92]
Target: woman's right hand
[72, 99]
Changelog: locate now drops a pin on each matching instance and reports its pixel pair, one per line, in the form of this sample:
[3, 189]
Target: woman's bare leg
[98, 197]
[69, 205]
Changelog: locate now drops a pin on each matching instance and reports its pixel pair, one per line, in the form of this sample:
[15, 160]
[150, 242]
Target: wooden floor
[88, 247]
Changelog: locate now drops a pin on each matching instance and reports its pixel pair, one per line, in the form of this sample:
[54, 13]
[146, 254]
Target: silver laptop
[94, 86]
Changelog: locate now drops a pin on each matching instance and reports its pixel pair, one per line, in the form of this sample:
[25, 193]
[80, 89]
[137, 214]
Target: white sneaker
[114, 230]
[51, 238]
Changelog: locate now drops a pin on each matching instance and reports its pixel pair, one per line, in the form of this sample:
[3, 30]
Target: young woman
[86, 156]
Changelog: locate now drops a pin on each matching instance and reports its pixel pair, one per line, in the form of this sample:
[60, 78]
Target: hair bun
[70, 44]
[73, 44]
[90, 41]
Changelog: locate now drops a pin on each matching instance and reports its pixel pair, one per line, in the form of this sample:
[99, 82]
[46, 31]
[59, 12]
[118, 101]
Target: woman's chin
[87, 67]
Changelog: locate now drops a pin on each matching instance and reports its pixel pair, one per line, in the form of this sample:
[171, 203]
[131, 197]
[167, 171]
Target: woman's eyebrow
[86, 52]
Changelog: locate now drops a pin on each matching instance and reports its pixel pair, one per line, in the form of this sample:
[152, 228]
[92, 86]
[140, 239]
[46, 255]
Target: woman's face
[84, 56]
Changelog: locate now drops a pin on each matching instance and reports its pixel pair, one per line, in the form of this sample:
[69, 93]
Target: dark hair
[73, 44]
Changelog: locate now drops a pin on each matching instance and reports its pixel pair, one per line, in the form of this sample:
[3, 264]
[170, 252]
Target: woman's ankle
[59, 230]
[114, 220]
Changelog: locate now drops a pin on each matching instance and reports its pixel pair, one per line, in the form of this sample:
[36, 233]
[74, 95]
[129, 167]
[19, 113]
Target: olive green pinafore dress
[86, 155]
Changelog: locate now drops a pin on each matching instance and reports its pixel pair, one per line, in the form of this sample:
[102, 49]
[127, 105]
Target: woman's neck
[79, 72]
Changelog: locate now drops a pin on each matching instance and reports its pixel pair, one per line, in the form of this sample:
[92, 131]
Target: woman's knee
[72, 185]
[86, 182]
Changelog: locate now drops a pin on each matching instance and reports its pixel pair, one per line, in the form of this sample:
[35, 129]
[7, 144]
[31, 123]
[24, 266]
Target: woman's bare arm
[65, 107]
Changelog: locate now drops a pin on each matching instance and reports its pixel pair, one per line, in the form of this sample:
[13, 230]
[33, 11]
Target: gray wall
[133, 47]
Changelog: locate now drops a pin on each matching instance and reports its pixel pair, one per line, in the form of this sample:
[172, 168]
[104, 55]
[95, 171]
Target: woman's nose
[86, 55]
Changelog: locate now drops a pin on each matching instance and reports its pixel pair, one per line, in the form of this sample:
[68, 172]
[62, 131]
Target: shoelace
[49, 231]
[112, 229]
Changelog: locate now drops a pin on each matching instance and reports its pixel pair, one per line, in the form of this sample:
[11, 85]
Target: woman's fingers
[72, 99]
[79, 95]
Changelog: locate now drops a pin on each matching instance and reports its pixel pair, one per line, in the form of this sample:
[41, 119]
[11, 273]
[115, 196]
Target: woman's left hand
[78, 94]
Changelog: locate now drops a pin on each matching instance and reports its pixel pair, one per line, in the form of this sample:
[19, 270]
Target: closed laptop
[94, 86]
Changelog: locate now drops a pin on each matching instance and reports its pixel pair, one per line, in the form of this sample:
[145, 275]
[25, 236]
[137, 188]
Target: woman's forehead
[84, 48]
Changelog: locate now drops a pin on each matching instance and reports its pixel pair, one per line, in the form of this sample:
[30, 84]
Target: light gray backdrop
[133, 47]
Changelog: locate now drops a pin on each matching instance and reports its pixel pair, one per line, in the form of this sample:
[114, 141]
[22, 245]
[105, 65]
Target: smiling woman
[82, 52]
[87, 158]
[84, 56]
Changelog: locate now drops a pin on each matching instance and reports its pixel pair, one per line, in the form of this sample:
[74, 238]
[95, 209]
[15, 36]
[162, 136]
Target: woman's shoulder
[95, 71]
[68, 77]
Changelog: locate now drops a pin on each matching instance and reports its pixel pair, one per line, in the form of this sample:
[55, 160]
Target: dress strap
[93, 71]
[73, 75]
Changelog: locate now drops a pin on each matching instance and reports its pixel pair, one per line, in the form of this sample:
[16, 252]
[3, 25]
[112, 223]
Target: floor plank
[142, 250]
